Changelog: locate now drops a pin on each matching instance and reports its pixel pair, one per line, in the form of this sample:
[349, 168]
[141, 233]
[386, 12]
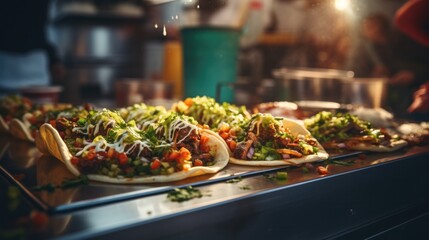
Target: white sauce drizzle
[119, 145]
[85, 129]
[177, 125]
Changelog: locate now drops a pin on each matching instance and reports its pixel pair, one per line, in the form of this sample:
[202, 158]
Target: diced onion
[250, 153]
[341, 145]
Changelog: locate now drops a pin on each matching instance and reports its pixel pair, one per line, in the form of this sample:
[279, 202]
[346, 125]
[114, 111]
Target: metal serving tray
[24, 166]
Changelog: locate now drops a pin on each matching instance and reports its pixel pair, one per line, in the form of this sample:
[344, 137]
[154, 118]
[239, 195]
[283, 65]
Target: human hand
[421, 100]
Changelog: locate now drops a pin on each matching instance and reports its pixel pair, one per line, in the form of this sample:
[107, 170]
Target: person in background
[27, 58]
[378, 54]
[385, 52]
[413, 20]
[322, 35]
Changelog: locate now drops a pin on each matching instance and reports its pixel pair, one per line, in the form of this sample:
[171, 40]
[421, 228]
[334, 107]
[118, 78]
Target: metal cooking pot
[365, 92]
[296, 84]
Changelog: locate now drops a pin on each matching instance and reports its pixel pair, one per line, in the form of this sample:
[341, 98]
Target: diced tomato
[224, 135]
[185, 155]
[180, 156]
[123, 158]
[224, 128]
[115, 154]
[198, 162]
[232, 145]
[322, 170]
[53, 123]
[155, 164]
[204, 148]
[102, 153]
[74, 160]
[203, 143]
[189, 102]
[172, 156]
[91, 154]
[204, 139]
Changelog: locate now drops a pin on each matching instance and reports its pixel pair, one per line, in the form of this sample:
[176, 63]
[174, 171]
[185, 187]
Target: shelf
[98, 18]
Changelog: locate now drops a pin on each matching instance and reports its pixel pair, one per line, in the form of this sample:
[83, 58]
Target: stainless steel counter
[367, 190]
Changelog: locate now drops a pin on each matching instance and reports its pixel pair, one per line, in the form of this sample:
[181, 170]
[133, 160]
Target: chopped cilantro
[245, 187]
[234, 180]
[305, 170]
[326, 126]
[81, 122]
[341, 163]
[281, 175]
[184, 194]
[47, 187]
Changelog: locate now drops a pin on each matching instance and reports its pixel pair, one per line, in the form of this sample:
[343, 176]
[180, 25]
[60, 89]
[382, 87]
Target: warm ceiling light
[342, 4]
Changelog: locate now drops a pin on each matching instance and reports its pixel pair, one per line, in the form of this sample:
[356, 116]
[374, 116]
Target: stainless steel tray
[23, 165]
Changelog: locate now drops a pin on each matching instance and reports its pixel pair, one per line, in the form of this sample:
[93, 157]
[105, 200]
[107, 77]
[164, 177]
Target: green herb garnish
[69, 183]
[47, 187]
[341, 163]
[305, 170]
[278, 176]
[245, 187]
[234, 180]
[281, 175]
[184, 194]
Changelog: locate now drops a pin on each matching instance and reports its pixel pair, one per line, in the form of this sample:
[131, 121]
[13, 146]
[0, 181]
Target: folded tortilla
[394, 145]
[53, 143]
[20, 130]
[296, 128]
[4, 127]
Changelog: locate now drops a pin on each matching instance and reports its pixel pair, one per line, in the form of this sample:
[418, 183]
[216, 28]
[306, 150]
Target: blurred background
[117, 52]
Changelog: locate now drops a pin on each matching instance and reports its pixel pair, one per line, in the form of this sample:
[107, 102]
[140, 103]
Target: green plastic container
[210, 58]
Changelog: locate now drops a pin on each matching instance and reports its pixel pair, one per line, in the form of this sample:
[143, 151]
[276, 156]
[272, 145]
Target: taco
[106, 148]
[13, 107]
[215, 116]
[270, 141]
[346, 131]
[26, 127]
[207, 111]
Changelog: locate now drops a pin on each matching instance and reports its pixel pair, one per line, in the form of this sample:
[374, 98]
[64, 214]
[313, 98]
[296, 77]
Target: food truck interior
[230, 66]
